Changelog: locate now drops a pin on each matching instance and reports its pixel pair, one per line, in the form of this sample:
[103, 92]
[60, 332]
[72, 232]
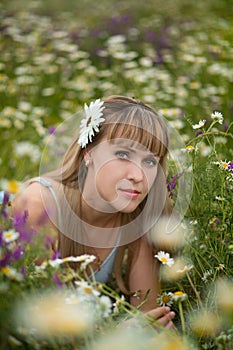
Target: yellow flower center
[224, 165]
[189, 148]
[179, 293]
[6, 270]
[12, 186]
[165, 299]
[88, 290]
[163, 259]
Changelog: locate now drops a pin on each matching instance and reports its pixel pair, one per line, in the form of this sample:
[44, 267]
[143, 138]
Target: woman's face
[120, 175]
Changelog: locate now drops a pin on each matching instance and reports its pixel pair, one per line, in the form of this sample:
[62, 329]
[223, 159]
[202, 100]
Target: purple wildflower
[56, 254]
[20, 226]
[230, 167]
[6, 260]
[17, 253]
[171, 184]
[52, 130]
[199, 133]
[5, 200]
[57, 281]
[23, 271]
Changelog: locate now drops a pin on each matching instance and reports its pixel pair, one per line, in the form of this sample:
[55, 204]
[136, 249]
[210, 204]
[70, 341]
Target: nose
[134, 172]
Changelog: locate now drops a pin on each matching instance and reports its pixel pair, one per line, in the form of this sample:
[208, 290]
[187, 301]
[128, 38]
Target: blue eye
[122, 154]
[150, 162]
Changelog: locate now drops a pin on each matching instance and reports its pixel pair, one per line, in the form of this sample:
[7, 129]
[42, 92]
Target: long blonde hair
[124, 118]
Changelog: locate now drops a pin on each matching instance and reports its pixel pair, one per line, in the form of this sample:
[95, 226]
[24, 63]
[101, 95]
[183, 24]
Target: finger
[158, 312]
[164, 320]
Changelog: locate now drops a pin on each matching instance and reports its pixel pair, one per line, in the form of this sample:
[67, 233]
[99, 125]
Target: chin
[128, 209]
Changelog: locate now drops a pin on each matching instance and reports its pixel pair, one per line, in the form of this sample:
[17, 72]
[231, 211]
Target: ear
[87, 155]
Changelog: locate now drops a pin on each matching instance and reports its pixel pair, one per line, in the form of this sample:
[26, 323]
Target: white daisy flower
[185, 269]
[200, 124]
[219, 198]
[207, 275]
[223, 165]
[164, 258]
[117, 304]
[165, 299]
[84, 259]
[190, 149]
[179, 296]
[91, 123]
[106, 305]
[12, 273]
[10, 236]
[55, 263]
[80, 258]
[217, 116]
[85, 288]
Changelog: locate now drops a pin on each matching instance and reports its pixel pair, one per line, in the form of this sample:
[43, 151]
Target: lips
[133, 194]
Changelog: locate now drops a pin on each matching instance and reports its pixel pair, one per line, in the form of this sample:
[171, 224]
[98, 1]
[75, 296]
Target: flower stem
[181, 316]
[194, 289]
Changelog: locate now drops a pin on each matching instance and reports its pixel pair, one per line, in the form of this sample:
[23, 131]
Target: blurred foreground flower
[177, 271]
[205, 323]
[169, 233]
[122, 338]
[10, 186]
[84, 261]
[11, 273]
[54, 314]
[10, 235]
[169, 341]
[224, 294]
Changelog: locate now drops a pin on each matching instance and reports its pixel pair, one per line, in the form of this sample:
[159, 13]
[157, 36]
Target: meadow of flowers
[176, 56]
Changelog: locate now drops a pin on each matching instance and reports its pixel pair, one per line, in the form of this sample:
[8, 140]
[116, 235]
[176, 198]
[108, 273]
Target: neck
[100, 219]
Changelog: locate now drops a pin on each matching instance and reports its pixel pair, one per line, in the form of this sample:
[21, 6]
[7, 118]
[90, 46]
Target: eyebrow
[131, 149]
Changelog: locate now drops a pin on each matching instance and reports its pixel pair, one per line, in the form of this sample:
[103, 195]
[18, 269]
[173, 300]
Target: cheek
[105, 178]
[150, 178]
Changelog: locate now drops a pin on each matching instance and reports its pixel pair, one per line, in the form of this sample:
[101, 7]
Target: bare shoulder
[33, 199]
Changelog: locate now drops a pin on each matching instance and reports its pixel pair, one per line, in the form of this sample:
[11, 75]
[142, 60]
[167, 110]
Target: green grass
[176, 56]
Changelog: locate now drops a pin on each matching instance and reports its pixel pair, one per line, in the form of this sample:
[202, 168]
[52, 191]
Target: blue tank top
[106, 268]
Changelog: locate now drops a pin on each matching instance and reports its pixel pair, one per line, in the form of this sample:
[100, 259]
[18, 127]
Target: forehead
[127, 143]
[108, 148]
[155, 142]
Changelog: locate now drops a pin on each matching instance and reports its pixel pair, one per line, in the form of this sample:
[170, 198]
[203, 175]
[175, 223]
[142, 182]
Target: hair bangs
[156, 143]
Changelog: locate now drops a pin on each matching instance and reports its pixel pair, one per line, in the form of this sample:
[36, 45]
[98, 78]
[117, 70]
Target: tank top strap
[48, 185]
[107, 266]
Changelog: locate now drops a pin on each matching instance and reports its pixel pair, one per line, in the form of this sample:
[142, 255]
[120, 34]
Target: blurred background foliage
[57, 55]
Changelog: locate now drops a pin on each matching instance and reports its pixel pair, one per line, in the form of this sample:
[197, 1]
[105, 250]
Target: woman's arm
[144, 275]
[144, 280]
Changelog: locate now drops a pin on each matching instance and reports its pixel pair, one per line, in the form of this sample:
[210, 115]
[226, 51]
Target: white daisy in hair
[90, 124]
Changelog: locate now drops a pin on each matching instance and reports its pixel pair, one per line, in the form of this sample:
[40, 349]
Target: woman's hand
[163, 317]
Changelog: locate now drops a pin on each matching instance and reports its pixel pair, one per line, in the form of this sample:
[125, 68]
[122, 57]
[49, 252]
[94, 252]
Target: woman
[106, 196]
